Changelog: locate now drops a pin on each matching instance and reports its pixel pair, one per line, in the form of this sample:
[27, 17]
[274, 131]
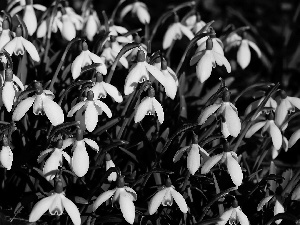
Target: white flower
[278, 207]
[56, 24]
[86, 58]
[92, 25]
[109, 164]
[195, 23]
[11, 85]
[231, 124]
[194, 156]
[234, 215]
[68, 30]
[93, 107]
[216, 42]
[42, 101]
[124, 195]
[138, 8]
[55, 159]
[55, 203]
[171, 81]
[5, 35]
[148, 106]
[139, 72]
[6, 154]
[175, 32]
[110, 54]
[115, 30]
[208, 59]
[101, 89]
[165, 197]
[18, 43]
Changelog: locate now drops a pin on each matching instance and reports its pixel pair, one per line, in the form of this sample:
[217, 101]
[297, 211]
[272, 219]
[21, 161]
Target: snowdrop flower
[124, 196]
[18, 43]
[138, 8]
[217, 45]
[115, 30]
[148, 106]
[55, 160]
[56, 203]
[286, 104]
[139, 72]
[278, 207]
[271, 127]
[29, 16]
[101, 89]
[93, 107]
[109, 164]
[11, 85]
[195, 152]
[231, 124]
[208, 59]
[171, 81]
[165, 197]
[92, 24]
[42, 102]
[175, 32]
[230, 158]
[110, 53]
[5, 35]
[6, 154]
[195, 23]
[80, 158]
[86, 58]
[234, 215]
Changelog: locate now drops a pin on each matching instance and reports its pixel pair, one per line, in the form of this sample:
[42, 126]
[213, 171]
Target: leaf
[284, 216]
[81, 200]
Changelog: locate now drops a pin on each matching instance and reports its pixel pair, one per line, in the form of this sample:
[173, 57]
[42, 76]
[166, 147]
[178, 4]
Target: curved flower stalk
[195, 23]
[55, 160]
[271, 127]
[42, 102]
[165, 197]
[230, 158]
[148, 106]
[55, 204]
[243, 53]
[12, 84]
[29, 16]
[109, 164]
[278, 207]
[140, 72]
[86, 58]
[208, 59]
[286, 105]
[234, 215]
[271, 105]
[80, 158]
[18, 45]
[6, 154]
[6, 35]
[195, 153]
[92, 24]
[101, 89]
[123, 195]
[231, 124]
[138, 8]
[93, 108]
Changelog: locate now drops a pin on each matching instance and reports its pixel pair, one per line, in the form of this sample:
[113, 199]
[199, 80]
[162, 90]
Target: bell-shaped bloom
[55, 204]
[175, 32]
[18, 45]
[278, 207]
[195, 153]
[231, 124]
[231, 160]
[140, 72]
[5, 35]
[149, 106]
[217, 45]
[286, 105]
[80, 158]
[124, 196]
[71, 22]
[11, 85]
[109, 54]
[208, 59]
[86, 58]
[93, 108]
[234, 215]
[101, 89]
[109, 164]
[92, 25]
[138, 8]
[195, 23]
[42, 101]
[269, 126]
[165, 197]
[55, 160]
[6, 154]
[171, 81]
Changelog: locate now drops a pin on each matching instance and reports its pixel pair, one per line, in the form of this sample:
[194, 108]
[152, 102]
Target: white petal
[18, 82]
[52, 164]
[263, 202]
[143, 15]
[232, 120]
[159, 110]
[204, 66]
[30, 48]
[91, 116]
[193, 159]
[125, 10]
[170, 35]
[5, 37]
[156, 73]
[104, 107]
[40, 208]
[76, 65]
[276, 136]
[96, 59]
[144, 107]
[39, 7]
[254, 128]
[8, 95]
[137, 73]
[281, 112]
[210, 163]
[113, 175]
[80, 159]
[43, 154]
[30, 19]
[208, 111]
[294, 138]
[91, 143]
[53, 111]
[102, 198]
[244, 54]
[278, 208]
[254, 46]
[156, 200]
[221, 60]
[22, 108]
[225, 216]
[234, 169]
[179, 153]
[113, 92]
[6, 157]
[42, 29]
[187, 32]
[68, 30]
[66, 156]
[76, 108]
[179, 200]
[127, 207]
[67, 142]
[71, 209]
[11, 46]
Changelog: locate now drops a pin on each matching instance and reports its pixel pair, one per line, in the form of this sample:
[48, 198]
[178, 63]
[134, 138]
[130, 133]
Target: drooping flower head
[92, 24]
[138, 8]
[6, 154]
[234, 215]
[171, 81]
[5, 35]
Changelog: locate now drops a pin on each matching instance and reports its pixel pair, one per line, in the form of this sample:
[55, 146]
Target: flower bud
[141, 56]
[8, 75]
[120, 182]
[209, 44]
